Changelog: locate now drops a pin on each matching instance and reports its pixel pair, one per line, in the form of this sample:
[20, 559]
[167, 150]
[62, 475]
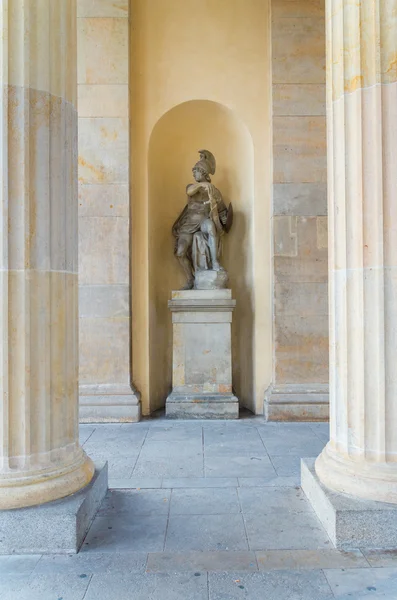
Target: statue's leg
[209, 228]
[181, 252]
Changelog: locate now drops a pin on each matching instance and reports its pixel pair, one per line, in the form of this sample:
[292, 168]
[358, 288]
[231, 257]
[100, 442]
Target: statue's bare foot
[216, 266]
[189, 285]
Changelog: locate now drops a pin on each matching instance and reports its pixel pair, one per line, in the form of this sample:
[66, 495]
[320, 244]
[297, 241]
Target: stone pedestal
[202, 356]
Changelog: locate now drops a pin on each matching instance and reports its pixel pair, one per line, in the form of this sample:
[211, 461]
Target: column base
[109, 404]
[297, 402]
[206, 406]
[46, 486]
[368, 480]
[56, 527]
[349, 521]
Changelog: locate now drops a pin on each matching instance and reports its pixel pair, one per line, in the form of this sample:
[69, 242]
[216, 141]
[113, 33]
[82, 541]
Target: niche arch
[174, 141]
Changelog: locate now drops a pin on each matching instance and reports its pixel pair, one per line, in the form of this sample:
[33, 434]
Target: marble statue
[200, 227]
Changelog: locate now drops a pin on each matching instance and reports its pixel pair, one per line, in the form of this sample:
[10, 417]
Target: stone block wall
[300, 327]
[104, 211]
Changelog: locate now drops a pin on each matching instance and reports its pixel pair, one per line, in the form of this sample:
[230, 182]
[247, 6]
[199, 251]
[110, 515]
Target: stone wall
[299, 212]
[104, 207]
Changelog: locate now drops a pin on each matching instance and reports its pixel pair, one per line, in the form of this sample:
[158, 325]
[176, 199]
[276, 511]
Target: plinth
[202, 356]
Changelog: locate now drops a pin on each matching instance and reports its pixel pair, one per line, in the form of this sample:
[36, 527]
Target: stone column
[361, 457]
[40, 457]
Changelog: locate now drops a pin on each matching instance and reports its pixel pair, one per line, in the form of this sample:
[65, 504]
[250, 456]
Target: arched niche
[174, 143]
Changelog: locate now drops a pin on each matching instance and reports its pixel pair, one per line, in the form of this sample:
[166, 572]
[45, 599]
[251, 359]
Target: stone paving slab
[205, 532]
[201, 561]
[292, 481]
[129, 483]
[169, 467]
[275, 585]
[200, 482]
[363, 583]
[204, 501]
[161, 586]
[272, 499]
[126, 534]
[252, 465]
[284, 530]
[310, 559]
[286, 466]
[47, 587]
[13, 564]
[135, 503]
[381, 558]
[89, 563]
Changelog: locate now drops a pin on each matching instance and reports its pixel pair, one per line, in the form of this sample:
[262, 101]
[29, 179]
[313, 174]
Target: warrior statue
[202, 223]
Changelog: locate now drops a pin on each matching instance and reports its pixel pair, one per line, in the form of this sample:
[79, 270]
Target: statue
[200, 227]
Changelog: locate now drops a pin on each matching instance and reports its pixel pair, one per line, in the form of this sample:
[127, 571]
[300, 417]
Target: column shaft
[40, 457]
[361, 457]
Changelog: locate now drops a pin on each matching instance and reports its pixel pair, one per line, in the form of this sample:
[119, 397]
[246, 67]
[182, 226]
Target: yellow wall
[181, 51]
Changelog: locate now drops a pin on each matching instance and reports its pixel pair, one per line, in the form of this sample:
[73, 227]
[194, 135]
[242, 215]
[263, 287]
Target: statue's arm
[193, 188]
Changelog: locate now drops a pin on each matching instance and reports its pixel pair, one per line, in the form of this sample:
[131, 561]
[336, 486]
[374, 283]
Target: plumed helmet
[207, 162]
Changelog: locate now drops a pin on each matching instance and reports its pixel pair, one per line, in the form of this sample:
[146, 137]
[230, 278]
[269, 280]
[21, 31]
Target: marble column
[361, 457]
[40, 457]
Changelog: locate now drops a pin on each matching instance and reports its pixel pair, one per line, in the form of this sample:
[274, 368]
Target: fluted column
[40, 457]
[361, 457]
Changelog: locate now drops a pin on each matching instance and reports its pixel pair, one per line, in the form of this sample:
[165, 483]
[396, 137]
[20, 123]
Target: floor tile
[283, 530]
[286, 466]
[363, 583]
[231, 448]
[307, 446]
[238, 466]
[133, 437]
[200, 482]
[88, 562]
[135, 503]
[85, 432]
[52, 587]
[135, 483]
[11, 585]
[204, 501]
[175, 434]
[169, 467]
[271, 499]
[187, 449]
[201, 561]
[205, 532]
[119, 467]
[175, 586]
[309, 559]
[272, 481]
[381, 558]
[127, 533]
[276, 585]
[18, 565]
[112, 449]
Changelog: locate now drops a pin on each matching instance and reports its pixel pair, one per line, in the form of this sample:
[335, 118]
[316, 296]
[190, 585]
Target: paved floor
[203, 511]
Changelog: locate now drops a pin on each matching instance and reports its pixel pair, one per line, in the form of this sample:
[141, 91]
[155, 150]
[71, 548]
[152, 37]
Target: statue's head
[205, 167]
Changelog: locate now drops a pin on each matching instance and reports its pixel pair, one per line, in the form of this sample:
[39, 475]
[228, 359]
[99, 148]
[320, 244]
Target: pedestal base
[350, 521]
[55, 527]
[212, 406]
[202, 356]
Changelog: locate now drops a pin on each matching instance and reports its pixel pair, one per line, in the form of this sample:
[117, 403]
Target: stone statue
[200, 227]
